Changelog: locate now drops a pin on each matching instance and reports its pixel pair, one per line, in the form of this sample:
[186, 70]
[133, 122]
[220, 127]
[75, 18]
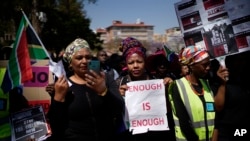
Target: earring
[70, 69]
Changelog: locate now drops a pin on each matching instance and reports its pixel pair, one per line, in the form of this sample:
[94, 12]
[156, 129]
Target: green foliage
[66, 21]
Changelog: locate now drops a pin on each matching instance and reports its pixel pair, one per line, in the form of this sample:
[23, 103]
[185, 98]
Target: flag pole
[56, 68]
[36, 35]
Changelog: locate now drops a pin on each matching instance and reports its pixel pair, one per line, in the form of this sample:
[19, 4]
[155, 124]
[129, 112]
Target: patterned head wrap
[192, 54]
[130, 46]
[73, 47]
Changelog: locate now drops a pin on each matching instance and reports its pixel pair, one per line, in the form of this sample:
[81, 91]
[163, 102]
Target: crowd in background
[202, 104]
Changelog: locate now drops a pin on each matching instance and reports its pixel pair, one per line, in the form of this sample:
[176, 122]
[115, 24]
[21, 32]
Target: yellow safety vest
[5, 127]
[195, 109]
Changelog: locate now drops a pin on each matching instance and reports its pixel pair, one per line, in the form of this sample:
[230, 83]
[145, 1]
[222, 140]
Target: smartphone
[94, 65]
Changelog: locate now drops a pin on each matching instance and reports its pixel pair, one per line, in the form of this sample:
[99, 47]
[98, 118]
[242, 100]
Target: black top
[84, 115]
[236, 113]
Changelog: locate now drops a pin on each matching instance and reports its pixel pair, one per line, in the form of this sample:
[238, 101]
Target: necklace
[197, 89]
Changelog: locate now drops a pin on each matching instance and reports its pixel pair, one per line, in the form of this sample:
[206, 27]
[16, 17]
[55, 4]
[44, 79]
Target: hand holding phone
[94, 65]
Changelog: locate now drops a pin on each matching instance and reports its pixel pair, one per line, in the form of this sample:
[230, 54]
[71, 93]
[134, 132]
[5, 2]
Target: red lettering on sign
[145, 87]
[147, 122]
[146, 106]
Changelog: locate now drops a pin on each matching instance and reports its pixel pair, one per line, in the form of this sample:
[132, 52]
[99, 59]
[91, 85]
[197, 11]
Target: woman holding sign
[192, 99]
[135, 57]
[86, 103]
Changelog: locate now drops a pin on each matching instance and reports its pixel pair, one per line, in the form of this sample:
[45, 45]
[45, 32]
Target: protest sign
[34, 90]
[239, 14]
[146, 106]
[29, 124]
[221, 27]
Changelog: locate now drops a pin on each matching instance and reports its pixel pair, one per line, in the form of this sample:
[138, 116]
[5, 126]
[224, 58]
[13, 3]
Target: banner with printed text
[220, 26]
[29, 124]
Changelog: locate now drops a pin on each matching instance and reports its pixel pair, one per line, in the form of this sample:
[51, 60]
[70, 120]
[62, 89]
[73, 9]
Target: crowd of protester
[202, 103]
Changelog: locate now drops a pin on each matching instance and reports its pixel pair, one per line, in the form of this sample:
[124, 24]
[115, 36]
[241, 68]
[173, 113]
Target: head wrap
[192, 54]
[130, 46]
[156, 59]
[73, 47]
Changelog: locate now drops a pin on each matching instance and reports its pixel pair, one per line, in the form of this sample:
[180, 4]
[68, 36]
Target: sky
[159, 13]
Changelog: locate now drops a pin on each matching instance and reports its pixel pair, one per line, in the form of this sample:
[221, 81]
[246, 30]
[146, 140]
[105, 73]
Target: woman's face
[201, 68]
[80, 61]
[136, 65]
[102, 56]
[161, 65]
[162, 68]
[184, 70]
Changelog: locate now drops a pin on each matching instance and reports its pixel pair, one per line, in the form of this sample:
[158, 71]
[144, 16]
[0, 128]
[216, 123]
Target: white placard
[146, 105]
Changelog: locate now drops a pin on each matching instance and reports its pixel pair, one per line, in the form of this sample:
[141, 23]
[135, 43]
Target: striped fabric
[192, 54]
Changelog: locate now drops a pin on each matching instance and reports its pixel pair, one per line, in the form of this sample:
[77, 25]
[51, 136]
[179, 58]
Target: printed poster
[219, 38]
[239, 14]
[194, 14]
[29, 124]
[146, 106]
[194, 38]
[220, 26]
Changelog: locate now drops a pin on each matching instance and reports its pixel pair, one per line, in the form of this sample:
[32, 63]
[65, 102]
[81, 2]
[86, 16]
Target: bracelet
[104, 92]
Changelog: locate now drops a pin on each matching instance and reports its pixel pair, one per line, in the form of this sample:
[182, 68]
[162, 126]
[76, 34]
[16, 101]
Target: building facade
[143, 32]
[138, 30]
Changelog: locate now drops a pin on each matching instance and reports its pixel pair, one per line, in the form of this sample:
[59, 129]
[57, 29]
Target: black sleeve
[182, 114]
[57, 119]
[113, 98]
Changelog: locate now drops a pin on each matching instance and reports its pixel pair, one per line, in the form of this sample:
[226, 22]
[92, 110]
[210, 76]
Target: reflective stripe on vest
[5, 128]
[195, 109]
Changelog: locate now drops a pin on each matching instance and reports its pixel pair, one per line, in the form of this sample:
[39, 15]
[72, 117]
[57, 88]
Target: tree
[66, 21]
